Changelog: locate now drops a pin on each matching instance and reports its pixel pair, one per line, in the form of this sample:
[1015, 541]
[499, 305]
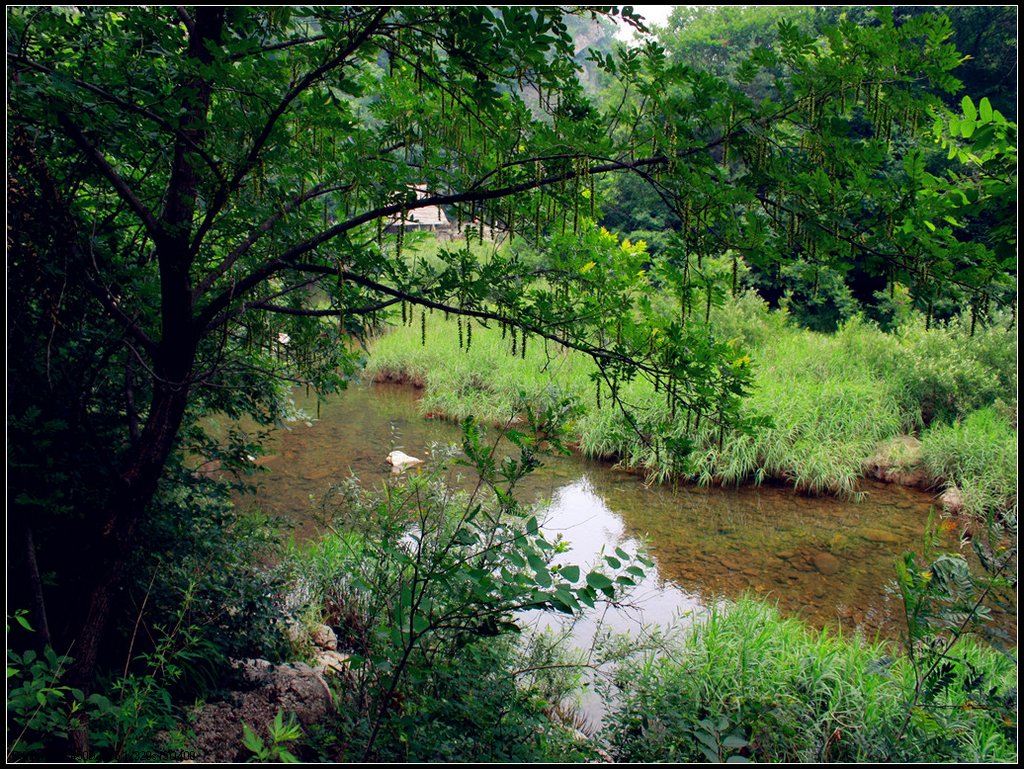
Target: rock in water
[402, 461]
[880, 535]
[826, 563]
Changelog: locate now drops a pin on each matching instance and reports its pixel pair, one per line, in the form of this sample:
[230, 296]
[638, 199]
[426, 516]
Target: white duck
[400, 461]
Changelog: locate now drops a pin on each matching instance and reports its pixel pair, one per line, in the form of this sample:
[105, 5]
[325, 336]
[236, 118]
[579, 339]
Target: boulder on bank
[294, 688]
[325, 638]
[898, 460]
[952, 500]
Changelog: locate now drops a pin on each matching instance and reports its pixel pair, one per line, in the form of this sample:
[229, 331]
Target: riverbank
[836, 403]
[734, 680]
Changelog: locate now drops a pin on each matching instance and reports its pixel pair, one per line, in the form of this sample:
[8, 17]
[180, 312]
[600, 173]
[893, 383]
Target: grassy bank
[831, 398]
[438, 668]
[744, 682]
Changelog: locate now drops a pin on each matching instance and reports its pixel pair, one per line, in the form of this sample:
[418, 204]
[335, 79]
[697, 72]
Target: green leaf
[969, 111]
[566, 596]
[598, 581]
[537, 563]
[251, 740]
[570, 573]
[985, 110]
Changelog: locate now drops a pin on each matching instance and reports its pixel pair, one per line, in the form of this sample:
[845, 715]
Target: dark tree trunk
[173, 363]
[37, 604]
[135, 490]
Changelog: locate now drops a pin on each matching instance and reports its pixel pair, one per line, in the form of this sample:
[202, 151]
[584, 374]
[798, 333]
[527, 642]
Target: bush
[978, 455]
[743, 682]
[422, 584]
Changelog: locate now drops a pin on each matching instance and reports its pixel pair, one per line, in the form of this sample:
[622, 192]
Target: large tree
[201, 205]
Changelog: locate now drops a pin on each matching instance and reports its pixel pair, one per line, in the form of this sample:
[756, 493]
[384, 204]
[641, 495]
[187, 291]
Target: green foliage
[742, 682]
[131, 714]
[39, 706]
[945, 600]
[280, 734]
[195, 543]
[423, 584]
[978, 455]
[943, 372]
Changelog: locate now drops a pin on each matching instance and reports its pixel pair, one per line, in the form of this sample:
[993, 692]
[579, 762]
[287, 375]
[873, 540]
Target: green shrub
[978, 455]
[422, 584]
[743, 682]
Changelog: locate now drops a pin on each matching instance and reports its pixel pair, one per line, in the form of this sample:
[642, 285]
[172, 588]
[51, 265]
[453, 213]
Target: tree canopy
[203, 204]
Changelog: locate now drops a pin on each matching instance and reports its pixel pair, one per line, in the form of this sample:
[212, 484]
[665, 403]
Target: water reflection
[823, 559]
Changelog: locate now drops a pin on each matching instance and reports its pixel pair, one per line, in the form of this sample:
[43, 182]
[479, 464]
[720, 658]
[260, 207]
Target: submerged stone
[826, 563]
[879, 535]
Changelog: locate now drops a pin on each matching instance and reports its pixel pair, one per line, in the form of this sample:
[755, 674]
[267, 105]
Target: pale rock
[952, 500]
[325, 638]
[332, 662]
[400, 461]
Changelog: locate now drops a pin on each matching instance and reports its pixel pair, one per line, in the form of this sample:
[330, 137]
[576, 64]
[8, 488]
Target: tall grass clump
[829, 399]
[826, 413]
[977, 454]
[745, 683]
[474, 373]
[942, 372]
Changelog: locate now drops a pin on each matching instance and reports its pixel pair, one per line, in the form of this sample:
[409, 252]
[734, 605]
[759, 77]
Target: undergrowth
[744, 683]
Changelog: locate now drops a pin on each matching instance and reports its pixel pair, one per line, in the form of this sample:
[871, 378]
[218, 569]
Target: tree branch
[258, 144]
[120, 185]
[265, 226]
[131, 107]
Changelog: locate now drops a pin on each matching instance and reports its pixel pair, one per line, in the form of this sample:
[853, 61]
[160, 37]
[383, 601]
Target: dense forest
[758, 246]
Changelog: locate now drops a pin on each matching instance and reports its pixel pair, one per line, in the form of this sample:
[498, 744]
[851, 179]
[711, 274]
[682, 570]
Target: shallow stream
[823, 559]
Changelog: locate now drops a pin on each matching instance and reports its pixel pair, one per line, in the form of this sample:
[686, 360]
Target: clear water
[823, 559]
